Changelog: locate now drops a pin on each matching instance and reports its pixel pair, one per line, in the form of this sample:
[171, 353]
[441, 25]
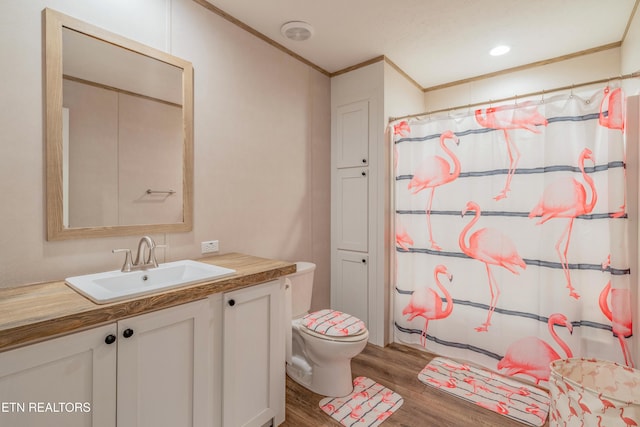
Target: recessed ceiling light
[499, 50]
[297, 30]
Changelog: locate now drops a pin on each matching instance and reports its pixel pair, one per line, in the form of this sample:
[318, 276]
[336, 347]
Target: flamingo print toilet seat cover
[333, 323]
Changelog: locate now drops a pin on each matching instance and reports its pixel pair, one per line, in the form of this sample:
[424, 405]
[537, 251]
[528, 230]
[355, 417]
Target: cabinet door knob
[364, 173]
[110, 339]
[364, 160]
[364, 261]
[231, 302]
[127, 333]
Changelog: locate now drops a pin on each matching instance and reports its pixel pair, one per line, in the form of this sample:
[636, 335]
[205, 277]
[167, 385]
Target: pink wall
[262, 141]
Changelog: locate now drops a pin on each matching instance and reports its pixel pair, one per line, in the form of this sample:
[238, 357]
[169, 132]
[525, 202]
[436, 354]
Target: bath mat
[508, 397]
[369, 404]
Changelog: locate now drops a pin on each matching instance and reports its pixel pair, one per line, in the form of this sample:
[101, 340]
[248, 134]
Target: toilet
[320, 345]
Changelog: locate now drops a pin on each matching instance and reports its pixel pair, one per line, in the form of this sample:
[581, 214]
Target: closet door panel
[352, 280]
[352, 200]
[353, 135]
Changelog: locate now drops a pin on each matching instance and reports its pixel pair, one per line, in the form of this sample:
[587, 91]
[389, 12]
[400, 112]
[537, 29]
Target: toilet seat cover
[333, 323]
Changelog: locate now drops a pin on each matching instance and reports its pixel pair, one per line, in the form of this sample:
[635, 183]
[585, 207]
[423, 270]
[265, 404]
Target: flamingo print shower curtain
[511, 233]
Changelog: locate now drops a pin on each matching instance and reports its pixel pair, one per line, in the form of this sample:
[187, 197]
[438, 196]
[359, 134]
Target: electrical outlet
[210, 246]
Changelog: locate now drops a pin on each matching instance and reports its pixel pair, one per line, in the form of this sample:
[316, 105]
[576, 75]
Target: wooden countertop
[36, 312]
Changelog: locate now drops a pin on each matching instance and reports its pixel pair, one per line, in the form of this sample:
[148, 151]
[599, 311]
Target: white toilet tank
[301, 288]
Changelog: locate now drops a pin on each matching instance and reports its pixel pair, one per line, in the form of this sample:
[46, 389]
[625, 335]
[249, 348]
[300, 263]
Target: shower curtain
[511, 233]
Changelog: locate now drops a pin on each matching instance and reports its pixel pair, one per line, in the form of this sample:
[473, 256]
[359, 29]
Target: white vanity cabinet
[66, 382]
[150, 370]
[214, 362]
[163, 367]
[253, 354]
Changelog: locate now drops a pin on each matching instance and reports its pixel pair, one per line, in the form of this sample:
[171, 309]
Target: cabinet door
[352, 209]
[253, 364]
[162, 367]
[351, 284]
[66, 382]
[352, 127]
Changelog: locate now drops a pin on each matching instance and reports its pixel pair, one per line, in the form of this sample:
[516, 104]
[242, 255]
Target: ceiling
[438, 41]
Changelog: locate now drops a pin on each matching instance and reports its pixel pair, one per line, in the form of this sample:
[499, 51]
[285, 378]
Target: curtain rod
[526, 95]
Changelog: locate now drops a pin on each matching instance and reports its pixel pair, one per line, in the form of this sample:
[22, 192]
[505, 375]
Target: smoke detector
[297, 30]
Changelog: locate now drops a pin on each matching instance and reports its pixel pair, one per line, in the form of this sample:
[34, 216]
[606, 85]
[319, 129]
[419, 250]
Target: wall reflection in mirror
[124, 144]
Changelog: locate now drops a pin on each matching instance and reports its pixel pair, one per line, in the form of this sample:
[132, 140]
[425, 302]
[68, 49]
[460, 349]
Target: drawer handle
[110, 339]
[364, 173]
[231, 302]
[127, 333]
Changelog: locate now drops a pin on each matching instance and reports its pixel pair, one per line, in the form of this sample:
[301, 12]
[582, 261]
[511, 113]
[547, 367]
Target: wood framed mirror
[118, 134]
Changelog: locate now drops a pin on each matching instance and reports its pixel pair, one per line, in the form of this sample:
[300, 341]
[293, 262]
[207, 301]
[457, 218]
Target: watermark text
[44, 407]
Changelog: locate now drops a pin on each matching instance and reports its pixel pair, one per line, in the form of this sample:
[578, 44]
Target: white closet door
[352, 285]
[353, 135]
[352, 203]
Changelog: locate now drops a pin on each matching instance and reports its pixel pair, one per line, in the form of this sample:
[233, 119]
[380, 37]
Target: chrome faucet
[145, 258]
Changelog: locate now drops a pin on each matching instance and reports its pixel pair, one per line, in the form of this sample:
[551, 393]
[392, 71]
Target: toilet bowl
[321, 344]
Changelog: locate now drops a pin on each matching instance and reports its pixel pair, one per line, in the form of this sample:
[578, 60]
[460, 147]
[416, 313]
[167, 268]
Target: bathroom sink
[116, 285]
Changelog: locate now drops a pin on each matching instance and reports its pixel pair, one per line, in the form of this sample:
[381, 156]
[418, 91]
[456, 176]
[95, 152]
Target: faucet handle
[126, 266]
[152, 254]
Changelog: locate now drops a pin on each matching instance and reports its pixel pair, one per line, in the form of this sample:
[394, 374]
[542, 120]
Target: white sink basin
[115, 285]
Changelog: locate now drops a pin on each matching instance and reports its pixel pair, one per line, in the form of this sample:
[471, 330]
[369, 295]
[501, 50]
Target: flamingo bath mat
[505, 396]
[369, 404]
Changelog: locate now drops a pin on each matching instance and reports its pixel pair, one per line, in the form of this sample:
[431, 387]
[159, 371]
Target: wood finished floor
[396, 367]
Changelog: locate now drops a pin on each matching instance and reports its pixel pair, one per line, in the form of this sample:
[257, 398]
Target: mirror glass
[119, 134]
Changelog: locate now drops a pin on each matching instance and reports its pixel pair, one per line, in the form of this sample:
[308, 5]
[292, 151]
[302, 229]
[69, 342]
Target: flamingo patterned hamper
[593, 392]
